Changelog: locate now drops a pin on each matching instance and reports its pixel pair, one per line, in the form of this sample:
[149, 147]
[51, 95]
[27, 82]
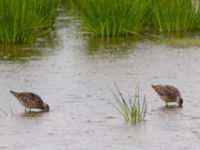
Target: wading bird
[168, 93]
[30, 100]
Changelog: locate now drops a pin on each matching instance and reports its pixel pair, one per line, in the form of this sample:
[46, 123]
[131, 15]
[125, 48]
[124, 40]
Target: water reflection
[33, 114]
[115, 46]
[18, 52]
[178, 40]
[170, 108]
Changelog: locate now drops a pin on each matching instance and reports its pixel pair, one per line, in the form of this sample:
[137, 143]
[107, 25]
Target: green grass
[111, 18]
[175, 15]
[21, 21]
[68, 3]
[130, 108]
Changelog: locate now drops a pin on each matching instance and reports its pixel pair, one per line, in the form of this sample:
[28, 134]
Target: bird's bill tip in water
[46, 107]
[180, 101]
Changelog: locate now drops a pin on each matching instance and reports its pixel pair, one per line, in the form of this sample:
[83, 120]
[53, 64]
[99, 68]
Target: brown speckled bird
[168, 93]
[30, 100]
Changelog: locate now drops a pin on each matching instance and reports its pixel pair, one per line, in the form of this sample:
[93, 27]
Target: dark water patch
[96, 45]
[19, 53]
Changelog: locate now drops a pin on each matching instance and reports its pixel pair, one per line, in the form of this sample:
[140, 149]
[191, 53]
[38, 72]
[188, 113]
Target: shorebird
[30, 100]
[168, 93]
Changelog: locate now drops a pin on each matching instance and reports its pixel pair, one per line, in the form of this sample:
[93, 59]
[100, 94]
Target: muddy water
[74, 74]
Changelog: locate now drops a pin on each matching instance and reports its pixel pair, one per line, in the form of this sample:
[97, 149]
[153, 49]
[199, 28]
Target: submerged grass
[131, 109]
[175, 15]
[113, 18]
[23, 20]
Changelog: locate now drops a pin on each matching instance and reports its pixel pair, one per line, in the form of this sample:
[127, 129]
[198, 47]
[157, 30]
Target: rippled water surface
[74, 74]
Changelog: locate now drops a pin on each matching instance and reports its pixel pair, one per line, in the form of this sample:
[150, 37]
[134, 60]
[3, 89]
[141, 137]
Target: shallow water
[74, 74]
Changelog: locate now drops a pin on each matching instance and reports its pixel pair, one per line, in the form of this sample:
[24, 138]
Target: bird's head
[180, 101]
[45, 107]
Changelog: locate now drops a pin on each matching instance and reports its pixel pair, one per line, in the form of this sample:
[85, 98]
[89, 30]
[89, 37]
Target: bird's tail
[14, 93]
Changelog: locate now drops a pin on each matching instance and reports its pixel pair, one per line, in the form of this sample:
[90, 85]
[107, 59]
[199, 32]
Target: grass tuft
[22, 21]
[175, 15]
[112, 18]
[130, 108]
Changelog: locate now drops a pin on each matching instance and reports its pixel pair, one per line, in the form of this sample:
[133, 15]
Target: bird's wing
[171, 90]
[27, 96]
[164, 91]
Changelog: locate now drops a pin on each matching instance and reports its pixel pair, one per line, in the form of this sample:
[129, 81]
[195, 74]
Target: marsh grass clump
[68, 3]
[131, 108]
[175, 15]
[112, 18]
[22, 21]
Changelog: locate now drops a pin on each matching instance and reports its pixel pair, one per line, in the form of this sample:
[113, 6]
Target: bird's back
[28, 99]
[167, 92]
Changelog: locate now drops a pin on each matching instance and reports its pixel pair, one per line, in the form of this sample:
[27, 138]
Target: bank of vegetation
[24, 20]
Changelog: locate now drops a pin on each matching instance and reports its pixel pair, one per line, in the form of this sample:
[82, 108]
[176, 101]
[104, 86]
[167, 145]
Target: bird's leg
[166, 104]
[29, 109]
[25, 109]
